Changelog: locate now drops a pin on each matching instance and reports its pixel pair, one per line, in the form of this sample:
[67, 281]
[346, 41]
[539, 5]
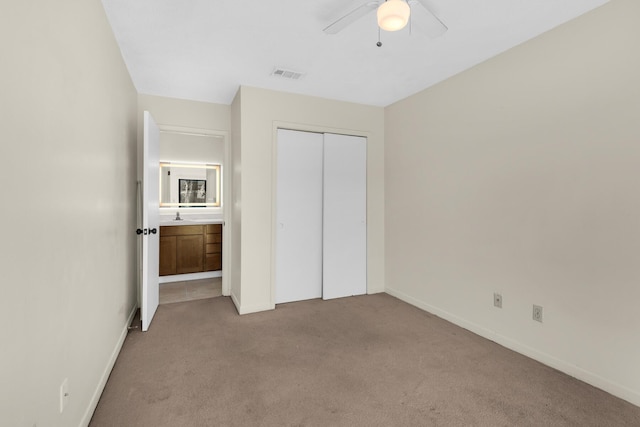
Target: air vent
[287, 74]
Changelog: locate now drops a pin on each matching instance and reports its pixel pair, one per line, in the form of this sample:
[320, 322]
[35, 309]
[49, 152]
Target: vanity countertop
[190, 221]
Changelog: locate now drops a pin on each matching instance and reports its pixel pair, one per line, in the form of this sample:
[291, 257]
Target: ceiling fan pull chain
[379, 44]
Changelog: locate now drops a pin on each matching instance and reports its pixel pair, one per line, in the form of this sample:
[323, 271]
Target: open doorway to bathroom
[191, 231]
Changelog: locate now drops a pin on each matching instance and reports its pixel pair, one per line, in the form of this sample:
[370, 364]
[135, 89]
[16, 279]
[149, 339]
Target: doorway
[149, 283]
[194, 151]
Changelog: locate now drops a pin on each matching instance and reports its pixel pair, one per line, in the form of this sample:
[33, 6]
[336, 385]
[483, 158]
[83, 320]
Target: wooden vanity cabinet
[190, 249]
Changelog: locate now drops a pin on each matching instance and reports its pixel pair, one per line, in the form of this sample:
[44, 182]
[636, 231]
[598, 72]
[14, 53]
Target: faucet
[177, 218]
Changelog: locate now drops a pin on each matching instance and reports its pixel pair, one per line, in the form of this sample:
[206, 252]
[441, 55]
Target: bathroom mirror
[189, 185]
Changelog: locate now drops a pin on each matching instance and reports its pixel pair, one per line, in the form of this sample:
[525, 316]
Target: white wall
[261, 112]
[68, 150]
[521, 176]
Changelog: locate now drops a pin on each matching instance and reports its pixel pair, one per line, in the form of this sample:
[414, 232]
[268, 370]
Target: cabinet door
[167, 255]
[190, 254]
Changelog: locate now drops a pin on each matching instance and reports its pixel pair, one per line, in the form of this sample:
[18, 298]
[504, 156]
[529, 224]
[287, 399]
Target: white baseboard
[93, 403]
[595, 380]
[235, 301]
[243, 309]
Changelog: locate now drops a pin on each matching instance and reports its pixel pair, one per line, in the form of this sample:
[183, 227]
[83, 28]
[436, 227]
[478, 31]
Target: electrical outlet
[497, 300]
[64, 394]
[537, 313]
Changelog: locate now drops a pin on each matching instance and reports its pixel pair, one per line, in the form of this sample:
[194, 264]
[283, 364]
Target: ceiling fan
[433, 26]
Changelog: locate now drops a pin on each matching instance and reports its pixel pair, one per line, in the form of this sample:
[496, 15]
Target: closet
[321, 209]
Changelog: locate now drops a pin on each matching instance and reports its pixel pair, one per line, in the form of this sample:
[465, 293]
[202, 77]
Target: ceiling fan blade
[351, 17]
[434, 26]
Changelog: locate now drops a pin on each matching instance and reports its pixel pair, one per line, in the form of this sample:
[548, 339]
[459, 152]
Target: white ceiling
[205, 49]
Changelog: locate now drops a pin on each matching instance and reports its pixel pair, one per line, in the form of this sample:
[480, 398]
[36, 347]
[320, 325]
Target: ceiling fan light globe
[392, 23]
[393, 15]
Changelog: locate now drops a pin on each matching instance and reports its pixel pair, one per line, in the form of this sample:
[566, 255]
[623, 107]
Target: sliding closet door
[298, 216]
[344, 216]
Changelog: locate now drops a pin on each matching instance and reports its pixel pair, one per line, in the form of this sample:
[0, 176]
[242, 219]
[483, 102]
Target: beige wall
[236, 196]
[184, 147]
[262, 111]
[68, 150]
[185, 113]
[521, 176]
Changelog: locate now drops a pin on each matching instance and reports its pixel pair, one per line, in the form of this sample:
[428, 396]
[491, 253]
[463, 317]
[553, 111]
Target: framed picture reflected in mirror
[192, 192]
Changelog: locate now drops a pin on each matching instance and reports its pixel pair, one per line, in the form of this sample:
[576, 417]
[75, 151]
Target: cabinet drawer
[213, 262]
[213, 238]
[181, 230]
[214, 248]
[214, 228]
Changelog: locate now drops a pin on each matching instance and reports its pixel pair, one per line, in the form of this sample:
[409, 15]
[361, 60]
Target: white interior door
[344, 216]
[298, 216]
[150, 221]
